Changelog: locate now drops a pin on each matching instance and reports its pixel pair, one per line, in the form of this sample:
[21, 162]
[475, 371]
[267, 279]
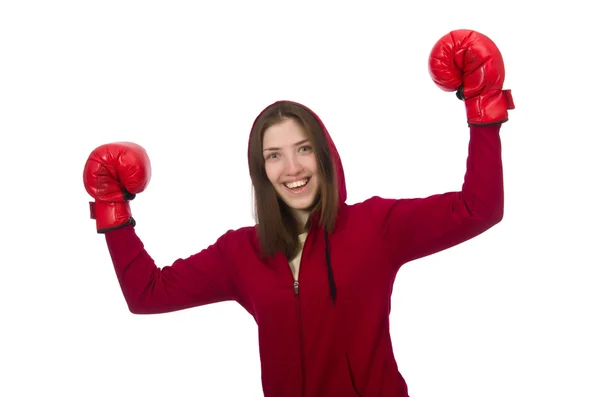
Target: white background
[513, 312]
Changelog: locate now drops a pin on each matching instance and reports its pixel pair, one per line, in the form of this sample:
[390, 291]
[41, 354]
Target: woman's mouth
[297, 186]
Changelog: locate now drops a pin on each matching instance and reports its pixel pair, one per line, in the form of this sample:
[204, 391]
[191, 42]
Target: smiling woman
[323, 326]
[293, 175]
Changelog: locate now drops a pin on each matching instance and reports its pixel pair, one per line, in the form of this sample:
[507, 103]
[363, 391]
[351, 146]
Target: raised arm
[414, 228]
[469, 63]
[113, 174]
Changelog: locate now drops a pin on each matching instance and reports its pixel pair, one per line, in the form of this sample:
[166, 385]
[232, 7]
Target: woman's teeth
[296, 184]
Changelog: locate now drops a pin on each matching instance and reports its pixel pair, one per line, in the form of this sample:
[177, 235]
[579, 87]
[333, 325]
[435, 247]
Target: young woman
[315, 272]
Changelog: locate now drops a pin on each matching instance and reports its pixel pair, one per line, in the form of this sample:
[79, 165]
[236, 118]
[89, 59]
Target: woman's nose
[292, 165]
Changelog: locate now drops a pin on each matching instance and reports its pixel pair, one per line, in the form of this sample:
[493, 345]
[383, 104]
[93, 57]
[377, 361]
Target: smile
[297, 184]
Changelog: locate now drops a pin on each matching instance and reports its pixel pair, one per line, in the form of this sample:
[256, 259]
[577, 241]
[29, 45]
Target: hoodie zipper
[299, 316]
[301, 337]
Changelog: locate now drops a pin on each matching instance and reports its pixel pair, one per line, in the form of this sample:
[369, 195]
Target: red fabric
[308, 346]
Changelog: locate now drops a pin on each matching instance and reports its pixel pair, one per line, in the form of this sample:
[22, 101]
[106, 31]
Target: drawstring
[332, 288]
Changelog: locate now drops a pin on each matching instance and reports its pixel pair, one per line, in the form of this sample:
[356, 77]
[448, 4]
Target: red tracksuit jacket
[309, 346]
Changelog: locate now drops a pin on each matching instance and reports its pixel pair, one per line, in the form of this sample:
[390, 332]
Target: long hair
[276, 226]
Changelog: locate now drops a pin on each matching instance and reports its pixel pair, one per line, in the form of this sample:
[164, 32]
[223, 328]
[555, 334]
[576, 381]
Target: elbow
[487, 209]
[497, 213]
[495, 219]
[137, 306]
[139, 310]
[142, 309]
[486, 216]
[135, 309]
[493, 215]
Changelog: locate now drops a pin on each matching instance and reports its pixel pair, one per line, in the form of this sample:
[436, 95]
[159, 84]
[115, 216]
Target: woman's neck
[302, 217]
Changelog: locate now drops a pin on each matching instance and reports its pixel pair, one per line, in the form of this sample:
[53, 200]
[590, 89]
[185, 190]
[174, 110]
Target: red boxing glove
[470, 63]
[113, 174]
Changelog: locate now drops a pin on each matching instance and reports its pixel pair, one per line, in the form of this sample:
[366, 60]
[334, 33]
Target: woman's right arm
[113, 175]
[200, 279]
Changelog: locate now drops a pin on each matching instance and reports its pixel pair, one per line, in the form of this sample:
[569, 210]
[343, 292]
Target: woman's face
[291, 164]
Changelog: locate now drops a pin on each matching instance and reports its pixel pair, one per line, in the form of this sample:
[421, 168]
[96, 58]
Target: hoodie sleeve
[414, 228]
[200, 279]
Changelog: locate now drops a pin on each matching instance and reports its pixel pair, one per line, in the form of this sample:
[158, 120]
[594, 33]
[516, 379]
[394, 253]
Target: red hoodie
[329, 334]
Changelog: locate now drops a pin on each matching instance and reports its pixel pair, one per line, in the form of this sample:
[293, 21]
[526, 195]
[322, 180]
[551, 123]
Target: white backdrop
[513, 312]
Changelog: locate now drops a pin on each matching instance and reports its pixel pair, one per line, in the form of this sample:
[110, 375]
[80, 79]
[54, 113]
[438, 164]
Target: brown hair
[276, 227]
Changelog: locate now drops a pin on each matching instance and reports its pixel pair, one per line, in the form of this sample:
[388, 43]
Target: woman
[314, 272]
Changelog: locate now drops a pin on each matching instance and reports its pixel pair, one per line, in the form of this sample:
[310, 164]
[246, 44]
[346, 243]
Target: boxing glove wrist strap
[111, 216]
[487, 109]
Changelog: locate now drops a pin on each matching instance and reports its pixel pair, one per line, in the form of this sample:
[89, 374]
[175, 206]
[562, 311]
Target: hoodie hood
[340, 180]
[333, 150]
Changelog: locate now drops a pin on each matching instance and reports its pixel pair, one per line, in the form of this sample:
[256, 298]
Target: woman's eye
[305, 148]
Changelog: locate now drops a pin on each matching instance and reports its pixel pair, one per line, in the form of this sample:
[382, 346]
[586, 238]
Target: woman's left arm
[414, 228]
[471, 64]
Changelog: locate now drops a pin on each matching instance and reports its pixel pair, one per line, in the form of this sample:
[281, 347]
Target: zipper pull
[296, 287]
